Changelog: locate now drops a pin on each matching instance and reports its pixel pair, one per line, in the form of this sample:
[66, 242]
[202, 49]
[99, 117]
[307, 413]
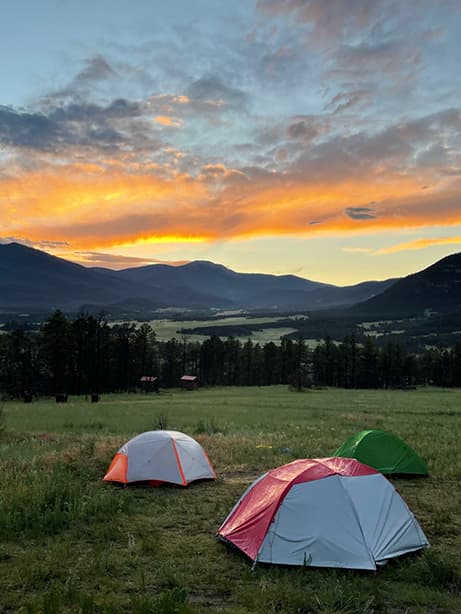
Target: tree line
[87, 355]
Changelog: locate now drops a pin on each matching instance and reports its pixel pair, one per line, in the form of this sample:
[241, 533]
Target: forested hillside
[86, 355]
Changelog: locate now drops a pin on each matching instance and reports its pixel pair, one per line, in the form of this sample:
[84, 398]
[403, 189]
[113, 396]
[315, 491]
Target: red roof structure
[189, 382]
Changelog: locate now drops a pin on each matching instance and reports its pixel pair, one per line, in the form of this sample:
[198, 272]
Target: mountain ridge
[437, 288]
[33, 280]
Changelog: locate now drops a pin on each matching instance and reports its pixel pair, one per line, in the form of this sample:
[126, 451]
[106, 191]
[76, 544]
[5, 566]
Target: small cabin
[189, 382]
[149, 383]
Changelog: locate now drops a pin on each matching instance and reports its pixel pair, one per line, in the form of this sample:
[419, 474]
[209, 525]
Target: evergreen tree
[123, 336]
[145, 358]
[172, 362]
[272, 364]
[212, 355]
[367, 376]
[232, 359]
[56, 351]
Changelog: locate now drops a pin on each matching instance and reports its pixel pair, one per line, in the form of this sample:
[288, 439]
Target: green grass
[166, 329]
[71, 543]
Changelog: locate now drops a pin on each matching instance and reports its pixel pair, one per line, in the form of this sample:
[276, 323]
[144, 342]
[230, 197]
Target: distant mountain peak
[15, 245]
[33, 280]
[205, 264]
[437, 288]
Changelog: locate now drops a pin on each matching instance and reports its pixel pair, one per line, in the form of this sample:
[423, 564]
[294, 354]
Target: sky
[320, 138]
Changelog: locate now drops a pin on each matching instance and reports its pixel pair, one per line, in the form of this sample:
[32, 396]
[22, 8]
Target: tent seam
[372, 558]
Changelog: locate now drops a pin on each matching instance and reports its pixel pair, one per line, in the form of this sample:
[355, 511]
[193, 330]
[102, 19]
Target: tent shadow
[404, 477]
[393, 564]
[159, 486]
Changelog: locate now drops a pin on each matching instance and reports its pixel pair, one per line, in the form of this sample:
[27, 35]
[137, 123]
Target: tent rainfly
[383, 451]
[160, 456]
[327, 512]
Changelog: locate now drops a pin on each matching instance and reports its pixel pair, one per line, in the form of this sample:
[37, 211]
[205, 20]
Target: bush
[161, 423]
[208, 426]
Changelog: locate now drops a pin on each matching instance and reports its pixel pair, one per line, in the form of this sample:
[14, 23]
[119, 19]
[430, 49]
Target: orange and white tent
[160, 456]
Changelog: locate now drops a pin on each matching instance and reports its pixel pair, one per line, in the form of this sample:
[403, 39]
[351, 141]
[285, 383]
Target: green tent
[383, 451]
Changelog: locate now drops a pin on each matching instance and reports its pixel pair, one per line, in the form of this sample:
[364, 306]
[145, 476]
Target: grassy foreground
[72, 543]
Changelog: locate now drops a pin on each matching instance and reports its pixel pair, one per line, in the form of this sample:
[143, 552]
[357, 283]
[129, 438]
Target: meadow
[70, 542]
[166, 329]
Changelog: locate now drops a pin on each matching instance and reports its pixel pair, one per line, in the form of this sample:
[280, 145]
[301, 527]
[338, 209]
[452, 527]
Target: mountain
[434, 289]
[33, 281]
[242, 290]
[254, 291]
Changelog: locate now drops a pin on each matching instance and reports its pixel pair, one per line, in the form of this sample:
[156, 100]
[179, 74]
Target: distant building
[189, 382]
[149, 383]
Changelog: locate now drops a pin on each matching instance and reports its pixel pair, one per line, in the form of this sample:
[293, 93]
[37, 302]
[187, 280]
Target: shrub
[208, 426]
[161, 423]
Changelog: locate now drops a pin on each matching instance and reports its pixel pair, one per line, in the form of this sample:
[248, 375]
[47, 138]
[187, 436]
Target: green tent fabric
[383, 451]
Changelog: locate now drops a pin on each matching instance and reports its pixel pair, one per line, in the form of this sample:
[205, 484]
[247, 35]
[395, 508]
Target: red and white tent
[160, 456]
[327, 512]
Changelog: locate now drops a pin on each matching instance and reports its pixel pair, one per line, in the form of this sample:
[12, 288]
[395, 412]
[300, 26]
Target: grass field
[72, 543]
[166, 329]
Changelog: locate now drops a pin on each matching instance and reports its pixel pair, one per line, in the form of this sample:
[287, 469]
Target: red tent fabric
[324, 512]
[246, 526]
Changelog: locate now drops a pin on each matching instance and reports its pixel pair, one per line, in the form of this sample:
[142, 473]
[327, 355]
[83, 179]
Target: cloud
[59, 123]
[96, 70]
[36, 244]
[92, 210]
[341, 20]
[165, 120]
[119, 125]
[392, 58]
[383, 42]
[116, 261]
[304, 130]
[333, 18]
[20, 129]
[419, 244]
[100, 172]
[361, 213]
[212, 92]
[358, 250]
[219, 171]
[344, 101]
[397, 150]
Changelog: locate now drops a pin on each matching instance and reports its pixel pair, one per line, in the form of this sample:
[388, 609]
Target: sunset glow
[270, 136]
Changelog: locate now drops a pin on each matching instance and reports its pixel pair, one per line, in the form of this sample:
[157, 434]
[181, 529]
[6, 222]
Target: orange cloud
[357, 250]
[165, 120]
[127, 202]
[419, 244]
[115, 261]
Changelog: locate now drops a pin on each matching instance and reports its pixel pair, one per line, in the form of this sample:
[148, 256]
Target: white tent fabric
[161, 456]
[193, 460]
[328, 512]
[389, 527]
[348, 522]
